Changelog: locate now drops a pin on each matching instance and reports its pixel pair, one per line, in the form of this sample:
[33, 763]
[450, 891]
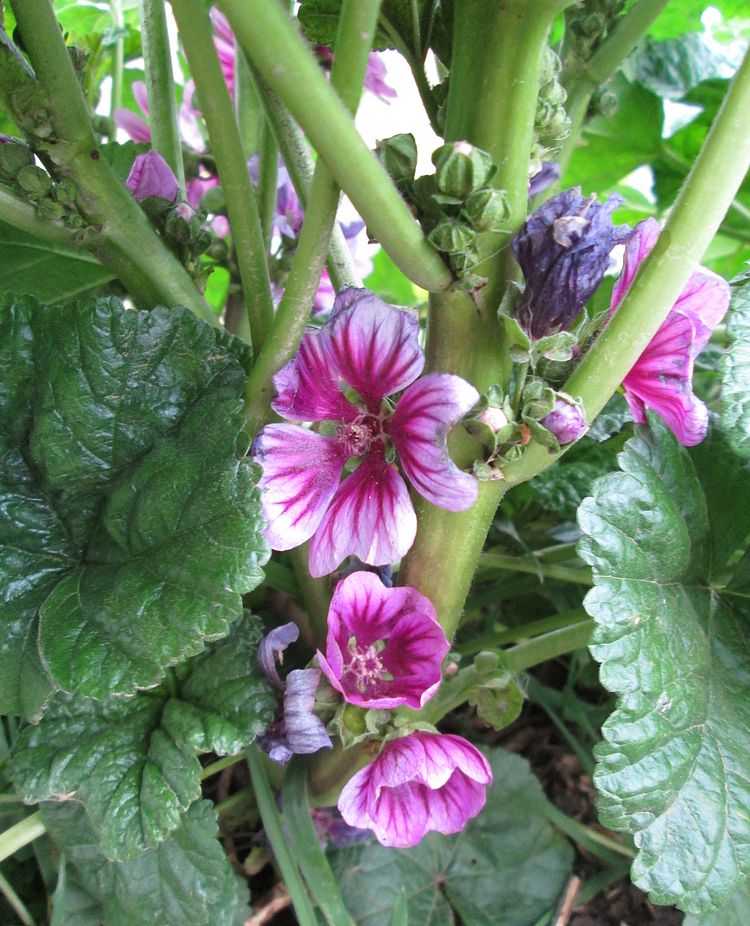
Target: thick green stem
[277, 837]
[695, 218]
[267, 181]
[535, 566]
[226, 146]
[119, 233]
[21, 834]
[602, 65]
[305, 845]
[547, 646]
[287, 65]
[248, 108]
[165, 136]
[21, 215]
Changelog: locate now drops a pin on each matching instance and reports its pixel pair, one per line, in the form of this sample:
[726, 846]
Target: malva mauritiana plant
[305, 500]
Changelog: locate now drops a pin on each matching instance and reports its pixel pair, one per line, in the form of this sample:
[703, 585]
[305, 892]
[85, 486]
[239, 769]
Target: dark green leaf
[672, 641]
[131, 761]
[735, 371]
[130, 525]
[396, 26]
[670, 69]
[507, 868]
[187, 880]
[49, 272]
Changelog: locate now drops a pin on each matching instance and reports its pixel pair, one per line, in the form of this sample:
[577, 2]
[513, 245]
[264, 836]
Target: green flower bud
[487, 209]
[558, 127]
[398, 155]
[553, 92]
[452, 236]
[13, 156]
[214, 201]
[465, 260]
[49, 210]
[65, 193]
[544, 114]
[550, 66]
[461, 168]
[183, 224]
[33, 181]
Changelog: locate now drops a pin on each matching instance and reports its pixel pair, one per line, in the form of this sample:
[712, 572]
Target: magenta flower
[662, 377]
[149, 176]
[385, 646]
[418, 784]
[343, 374]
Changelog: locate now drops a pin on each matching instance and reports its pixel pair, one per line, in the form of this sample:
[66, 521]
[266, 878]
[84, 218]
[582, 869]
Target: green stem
[118, 56]
[694, 220]
[547, 646]
[535, 566]
[607, 848]
[306, 846]
[220, 765]
[492, 641]
[416, 64]
[248, 108]
[119, 233]
[287, 65]
[20, 835]
[165, 136]
[267, 181]
[602, 65]
[21, 215]
[226, 146]
[541, 695]
[6, 888]
[278, 839]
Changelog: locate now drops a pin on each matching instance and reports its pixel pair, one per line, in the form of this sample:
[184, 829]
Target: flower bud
[33, 180]
[183, 223]
[13, 156]
[565, 421]
[487, 209]
[149, 176]
[553, 92]
[214, 201]
[452, 236]
[398, 155]
[557, 127]
[65, 193]
[461, 168]
[550, 66]
[49, 210]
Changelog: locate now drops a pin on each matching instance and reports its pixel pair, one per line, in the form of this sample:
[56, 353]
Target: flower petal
[305, 732]
[272, 647]
[640, 243]
[706, 299]
[419, 428]
[402, 816]
[376, 346]
[136, 128]
[454, 804]
[371, 516]
[301, 472]
[308, 387]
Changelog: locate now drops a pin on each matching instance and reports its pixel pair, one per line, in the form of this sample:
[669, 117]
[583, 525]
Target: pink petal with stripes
[301, 472]
[375, 345]
[371, 516]
[419, 428]
[640, 243]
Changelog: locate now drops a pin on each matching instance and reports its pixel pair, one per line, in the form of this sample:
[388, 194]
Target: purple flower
[375, 76]
[133, 125]
[289, 212]
[662, 377]
[418, 784]
[563, 250]
[547, 174]
[344, 373]
[565, 421]
[385, 646]
[271, 650]
[150, 175]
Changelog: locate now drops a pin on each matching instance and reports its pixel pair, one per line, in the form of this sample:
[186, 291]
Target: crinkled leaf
[507, 867]
[672, 68]
[671, 638]
[319, 19]
[735, 912]
[132, 761]
[129, 523]
[735, 371]
[187, 880]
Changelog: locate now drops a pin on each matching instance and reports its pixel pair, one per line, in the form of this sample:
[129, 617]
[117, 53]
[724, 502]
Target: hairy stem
[287, 65]
[547, 646]
[165, 136]
[226, 146]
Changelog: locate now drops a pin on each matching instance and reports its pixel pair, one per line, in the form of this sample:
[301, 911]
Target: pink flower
[344, 373]
[418, 784]
[135, 127]
[375, 76]
[385, 646]
[565, 421]
[149, 176]
[662, 377]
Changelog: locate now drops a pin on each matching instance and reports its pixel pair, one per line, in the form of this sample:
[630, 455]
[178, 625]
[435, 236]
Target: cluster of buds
[587, 24]
[53, 201]
[456, 203]
[551, 122]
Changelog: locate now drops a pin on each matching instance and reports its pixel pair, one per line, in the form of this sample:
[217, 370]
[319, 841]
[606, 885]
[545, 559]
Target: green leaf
[130, 524]
[678, 18]
[671, 69]
[187, 880]
[735, 371]
[49, 272]
[662, 537]
[319, 19]
[132, 761]
[390, 283]
[506, 868]
[735, 912]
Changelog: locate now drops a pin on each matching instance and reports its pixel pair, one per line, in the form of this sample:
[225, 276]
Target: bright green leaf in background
[187, 879]
[663, 538]
[132, 761]
[735, 370]
[130, 524]
[507, 867]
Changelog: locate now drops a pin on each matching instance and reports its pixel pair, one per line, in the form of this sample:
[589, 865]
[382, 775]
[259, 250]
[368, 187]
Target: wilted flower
[565, 421]
[385, 646]
[547, 174]
[563, 250]
[344, 373]
[150, 175]
[418, 784]
[662, 377]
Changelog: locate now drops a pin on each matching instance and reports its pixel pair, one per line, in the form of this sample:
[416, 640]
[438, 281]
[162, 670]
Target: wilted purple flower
[344, 373]
[563, 250]
[271, 650]
[548, 174]
[418, 784]
[385, 646]
[662, 377]
[150, 175]
[565, 421]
